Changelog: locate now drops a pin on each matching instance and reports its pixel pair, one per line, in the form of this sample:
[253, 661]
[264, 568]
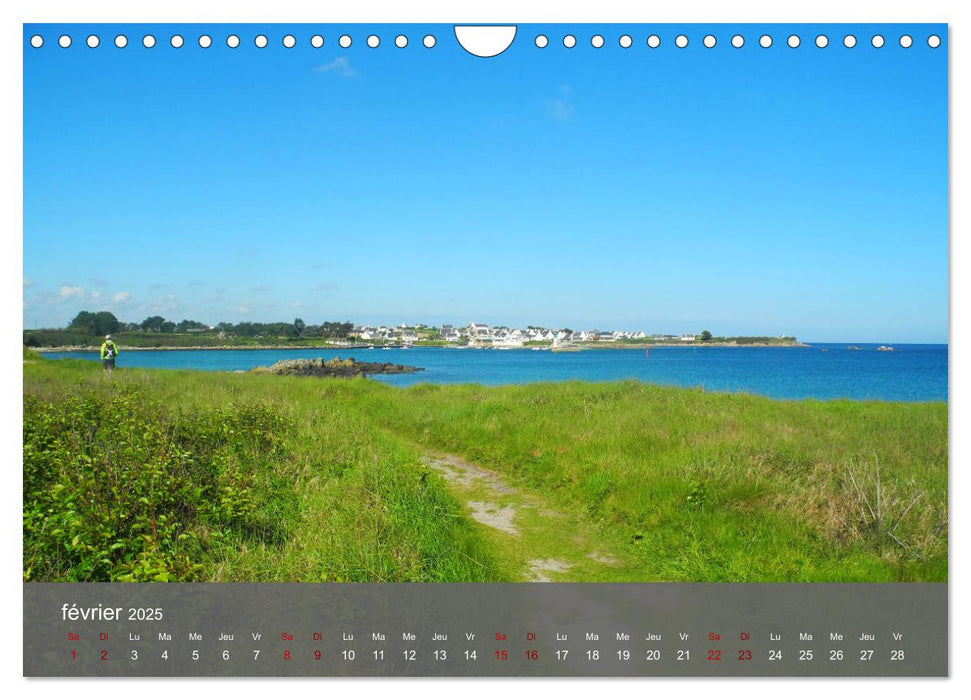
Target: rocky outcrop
[336, 367]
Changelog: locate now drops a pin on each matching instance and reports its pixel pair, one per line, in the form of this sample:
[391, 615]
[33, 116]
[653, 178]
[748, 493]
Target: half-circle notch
[485, 41]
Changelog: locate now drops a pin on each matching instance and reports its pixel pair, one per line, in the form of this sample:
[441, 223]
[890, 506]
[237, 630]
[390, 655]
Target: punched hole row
[233, 41]
[597, 41]
[709, 41]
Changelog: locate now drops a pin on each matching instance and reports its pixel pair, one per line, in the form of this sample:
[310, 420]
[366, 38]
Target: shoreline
[611, 346]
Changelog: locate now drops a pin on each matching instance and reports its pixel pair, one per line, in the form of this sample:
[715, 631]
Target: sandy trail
[493, 502]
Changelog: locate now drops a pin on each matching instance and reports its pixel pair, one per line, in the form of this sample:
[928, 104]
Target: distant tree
[247, 329]
[334, 329]
[83, 322]
[100, 323]
[153, 324]
[705, 336]
[167, 327]
[187, 325]
[298, 326]
[106, 323]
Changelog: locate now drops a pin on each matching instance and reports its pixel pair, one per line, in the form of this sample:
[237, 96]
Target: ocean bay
[820, 371]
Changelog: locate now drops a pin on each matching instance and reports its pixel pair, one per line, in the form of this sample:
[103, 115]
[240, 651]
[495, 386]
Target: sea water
[821, 371]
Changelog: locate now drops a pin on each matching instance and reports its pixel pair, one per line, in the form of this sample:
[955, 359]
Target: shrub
[115, 489]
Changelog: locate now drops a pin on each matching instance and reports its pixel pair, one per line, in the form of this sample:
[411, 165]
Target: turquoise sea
[822, 371]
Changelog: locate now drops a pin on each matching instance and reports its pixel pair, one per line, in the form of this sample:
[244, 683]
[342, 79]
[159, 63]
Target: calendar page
[525, 349]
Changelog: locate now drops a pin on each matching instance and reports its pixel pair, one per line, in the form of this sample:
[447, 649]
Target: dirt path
[545, 544]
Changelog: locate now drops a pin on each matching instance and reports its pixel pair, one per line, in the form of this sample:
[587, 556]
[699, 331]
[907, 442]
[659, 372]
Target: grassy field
[178, 475]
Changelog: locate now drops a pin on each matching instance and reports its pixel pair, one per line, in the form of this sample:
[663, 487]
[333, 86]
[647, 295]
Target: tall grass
[711, 486]
[154, 475]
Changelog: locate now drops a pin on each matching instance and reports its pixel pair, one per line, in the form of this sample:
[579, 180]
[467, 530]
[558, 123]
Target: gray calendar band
[482, 630]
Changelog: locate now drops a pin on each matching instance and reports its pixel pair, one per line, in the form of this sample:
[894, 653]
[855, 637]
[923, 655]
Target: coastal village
[88, 328]
[483, 335]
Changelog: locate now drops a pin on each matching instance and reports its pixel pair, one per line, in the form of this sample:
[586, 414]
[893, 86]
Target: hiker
[109, 351]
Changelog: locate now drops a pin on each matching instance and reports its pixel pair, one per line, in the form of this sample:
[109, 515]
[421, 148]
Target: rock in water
[319, 367]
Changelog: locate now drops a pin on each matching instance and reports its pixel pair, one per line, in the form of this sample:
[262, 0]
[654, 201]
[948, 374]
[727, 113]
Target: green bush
[115, 489]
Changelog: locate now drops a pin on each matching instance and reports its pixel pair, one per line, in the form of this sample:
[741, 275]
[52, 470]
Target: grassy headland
[178, 475]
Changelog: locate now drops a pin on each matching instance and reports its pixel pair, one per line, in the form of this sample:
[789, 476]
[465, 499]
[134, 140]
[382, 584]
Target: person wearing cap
[108, 353]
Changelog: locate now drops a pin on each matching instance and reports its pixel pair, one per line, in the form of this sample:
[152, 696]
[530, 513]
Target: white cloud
[28, 282]
[244, 307]
[68, 292]
[340, 65]
[121, 297]
[95, 295]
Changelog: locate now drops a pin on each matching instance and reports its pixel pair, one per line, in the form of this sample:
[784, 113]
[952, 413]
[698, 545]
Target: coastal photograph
[615, 303]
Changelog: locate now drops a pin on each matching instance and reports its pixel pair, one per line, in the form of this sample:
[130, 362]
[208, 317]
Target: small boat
[853, 347]
[885, 348]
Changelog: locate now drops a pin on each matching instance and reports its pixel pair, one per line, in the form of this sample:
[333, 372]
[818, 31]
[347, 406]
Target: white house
[507, 341]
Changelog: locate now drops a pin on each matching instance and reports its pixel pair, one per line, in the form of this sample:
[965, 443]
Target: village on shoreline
[298, 336]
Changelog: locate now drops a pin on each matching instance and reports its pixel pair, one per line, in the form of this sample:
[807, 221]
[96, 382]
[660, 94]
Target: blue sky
[746, 191]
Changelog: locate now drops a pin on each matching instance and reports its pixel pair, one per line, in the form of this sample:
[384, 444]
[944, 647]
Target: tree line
[104, 322]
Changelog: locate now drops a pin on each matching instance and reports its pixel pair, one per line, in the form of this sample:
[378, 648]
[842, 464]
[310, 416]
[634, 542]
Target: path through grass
[534, 538]
[153, 474]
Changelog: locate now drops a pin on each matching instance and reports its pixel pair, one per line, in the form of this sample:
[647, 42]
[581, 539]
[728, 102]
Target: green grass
[155, 475]
[666, 484]
[709, 486]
